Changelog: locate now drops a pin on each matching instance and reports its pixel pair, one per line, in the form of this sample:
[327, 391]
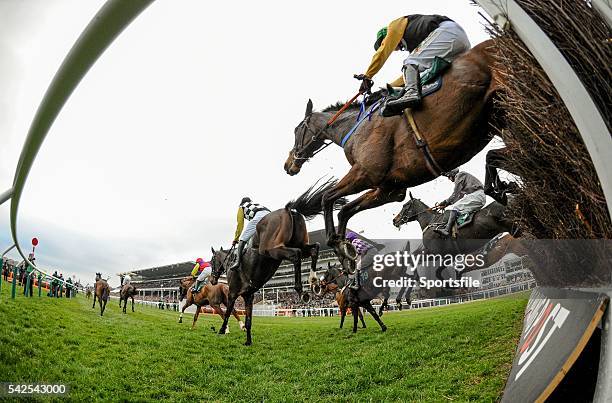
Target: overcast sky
[190, 109]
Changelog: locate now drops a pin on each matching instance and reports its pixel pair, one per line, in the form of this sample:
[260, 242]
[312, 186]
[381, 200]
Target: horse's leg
[195, 317]
[354, 181]
[94, 304]
[240, 323]
[295, 256]
[355, 312]
[312, 251]
[368, 306]
[384, 304]
[231, 300]
[248, 301]
[132, 303]
[102, 307]
[371, 199]
[187, 304]
[363, 325]
[342, 315]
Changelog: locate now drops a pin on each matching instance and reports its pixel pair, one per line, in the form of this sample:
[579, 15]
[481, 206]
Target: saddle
[463, 220]
[431, 81]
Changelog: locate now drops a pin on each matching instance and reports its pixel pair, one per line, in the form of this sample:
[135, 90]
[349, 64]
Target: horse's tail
[309, 203]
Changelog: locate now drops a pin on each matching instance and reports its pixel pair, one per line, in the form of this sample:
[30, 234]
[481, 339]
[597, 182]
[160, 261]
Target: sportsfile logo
[542, 321]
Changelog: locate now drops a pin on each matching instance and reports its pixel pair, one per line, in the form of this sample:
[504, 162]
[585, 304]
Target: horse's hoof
[383, 328]
[221, 331]
[248, 343]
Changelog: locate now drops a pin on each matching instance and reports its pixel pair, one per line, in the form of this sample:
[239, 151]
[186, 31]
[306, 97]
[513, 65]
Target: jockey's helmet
[452, 173]
[351, 236]
[380, 35]
[245, 200]
[199, 260]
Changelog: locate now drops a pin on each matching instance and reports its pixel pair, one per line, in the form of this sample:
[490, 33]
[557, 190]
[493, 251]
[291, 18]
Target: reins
[315, 136]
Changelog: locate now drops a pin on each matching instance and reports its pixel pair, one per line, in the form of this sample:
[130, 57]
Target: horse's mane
[375, 96]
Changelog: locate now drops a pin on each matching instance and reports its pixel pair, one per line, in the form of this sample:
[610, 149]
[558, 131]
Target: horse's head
[184, 285]
[410, 211]
[328, 281]
[307, 142]
[217, 263]
[98, 276]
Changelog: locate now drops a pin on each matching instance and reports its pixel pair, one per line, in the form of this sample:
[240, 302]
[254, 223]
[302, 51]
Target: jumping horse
[281, 235]
[456, 122]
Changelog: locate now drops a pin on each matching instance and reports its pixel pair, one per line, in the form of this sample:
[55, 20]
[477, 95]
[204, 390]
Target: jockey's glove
[366, 83]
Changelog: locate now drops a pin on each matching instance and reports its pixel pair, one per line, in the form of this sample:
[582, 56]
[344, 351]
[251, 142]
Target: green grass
[455, 353]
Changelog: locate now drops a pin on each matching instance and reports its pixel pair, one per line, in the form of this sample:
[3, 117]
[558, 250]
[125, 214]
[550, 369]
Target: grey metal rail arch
[107, 24]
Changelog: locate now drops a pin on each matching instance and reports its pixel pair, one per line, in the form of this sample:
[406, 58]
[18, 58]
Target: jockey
[201, 271]
[468, 196]
[127, 279]
[425, 37]
[253, 213]
[362, 249]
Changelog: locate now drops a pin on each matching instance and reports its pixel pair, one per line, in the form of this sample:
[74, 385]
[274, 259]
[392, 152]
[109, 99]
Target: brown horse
[88, 293]
[342, 299]
[127, 291]
[213, 295]
[281, 234]
[102, 292]
[456, 121]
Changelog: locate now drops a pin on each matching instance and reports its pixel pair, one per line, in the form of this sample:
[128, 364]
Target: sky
[190, 109]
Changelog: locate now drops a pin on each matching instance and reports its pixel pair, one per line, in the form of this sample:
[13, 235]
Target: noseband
[302, 148]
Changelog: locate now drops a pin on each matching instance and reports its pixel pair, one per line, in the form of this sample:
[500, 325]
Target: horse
[88, 293]
[484, 234]
[102, 292]
[281, 234]
[457, 121]
[213, 295]
[127, 291]
[336, 279]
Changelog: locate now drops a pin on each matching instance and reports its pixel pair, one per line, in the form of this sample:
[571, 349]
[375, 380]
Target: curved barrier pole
[106, 25]
[6, 195]
[576, 98]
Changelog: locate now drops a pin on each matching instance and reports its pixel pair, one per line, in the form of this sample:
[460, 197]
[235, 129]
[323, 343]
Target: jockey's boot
[196, 287]
[236, 265]
[445, 232]
[411, 96]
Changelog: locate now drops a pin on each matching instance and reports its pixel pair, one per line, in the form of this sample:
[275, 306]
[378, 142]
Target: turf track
[455, 353]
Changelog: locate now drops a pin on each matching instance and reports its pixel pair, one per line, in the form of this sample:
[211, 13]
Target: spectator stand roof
[161, 272]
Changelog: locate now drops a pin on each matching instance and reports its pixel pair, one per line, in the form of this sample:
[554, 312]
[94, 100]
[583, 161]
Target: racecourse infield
[454, 353]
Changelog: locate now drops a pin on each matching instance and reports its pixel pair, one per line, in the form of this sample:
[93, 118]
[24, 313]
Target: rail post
[14, 287]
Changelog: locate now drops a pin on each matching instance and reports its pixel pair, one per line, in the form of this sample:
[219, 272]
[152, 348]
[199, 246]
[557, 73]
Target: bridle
[415, 215]
[301, 148]
[298, 150]
[222, 270]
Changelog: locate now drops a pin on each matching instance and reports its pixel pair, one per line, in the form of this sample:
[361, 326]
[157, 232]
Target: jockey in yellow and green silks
[426, 37]
[201, 271]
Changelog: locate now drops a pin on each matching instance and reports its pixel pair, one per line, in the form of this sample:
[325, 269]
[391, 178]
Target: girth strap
[421, 144]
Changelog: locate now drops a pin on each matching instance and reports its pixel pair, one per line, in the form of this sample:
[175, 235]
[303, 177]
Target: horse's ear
[410, 194]
[222, 249]
[308, 108]
[212, 249]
